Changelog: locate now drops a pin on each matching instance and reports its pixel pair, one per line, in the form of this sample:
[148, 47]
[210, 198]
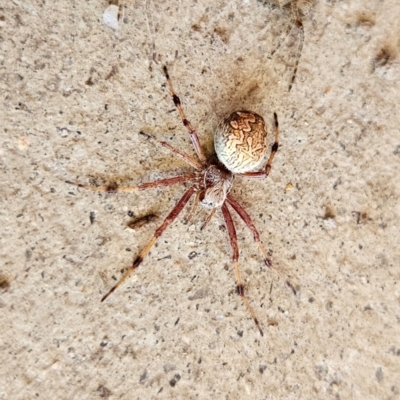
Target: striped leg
[284, 37]
[186, 122]
[300, 26]
[170, 218]
[239, 283]
[190, 160]
[296, 21]
[250, 224]
[265, 173]
[208, 219]
[141, 186]
[194, 208]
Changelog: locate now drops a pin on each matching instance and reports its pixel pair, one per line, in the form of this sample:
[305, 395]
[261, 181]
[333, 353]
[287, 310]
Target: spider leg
[190, 160]
[186, 122]
[239, 283]
[194, 208]
[299, 24]
[284, 37]
[295, 22]
[208, 219]
[141, 186]
[170, 218]
[250, 224]
[265, 173]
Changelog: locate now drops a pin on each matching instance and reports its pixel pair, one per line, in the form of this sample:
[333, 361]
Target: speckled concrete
[74, 95]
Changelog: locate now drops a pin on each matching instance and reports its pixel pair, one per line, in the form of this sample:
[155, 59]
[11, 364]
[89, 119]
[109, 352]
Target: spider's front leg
[168, 221]
[256, 236]
[239, 282]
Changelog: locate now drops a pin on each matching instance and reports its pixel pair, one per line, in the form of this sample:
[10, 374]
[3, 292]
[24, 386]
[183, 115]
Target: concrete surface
[74, 95]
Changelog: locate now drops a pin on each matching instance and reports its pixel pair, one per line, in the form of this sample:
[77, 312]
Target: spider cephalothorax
[217, 184]
[241, 146]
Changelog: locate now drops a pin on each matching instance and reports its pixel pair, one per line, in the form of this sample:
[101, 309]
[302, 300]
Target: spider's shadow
[246, 91]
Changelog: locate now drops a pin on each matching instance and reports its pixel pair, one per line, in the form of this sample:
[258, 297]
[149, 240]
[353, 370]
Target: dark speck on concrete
[175, 380]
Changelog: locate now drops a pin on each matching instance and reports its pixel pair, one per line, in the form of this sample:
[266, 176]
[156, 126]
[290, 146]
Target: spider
[241, 145]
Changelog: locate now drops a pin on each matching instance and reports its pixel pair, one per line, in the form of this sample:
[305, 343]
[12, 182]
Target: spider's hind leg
[297, 9]
[300, 26]
[185, 121]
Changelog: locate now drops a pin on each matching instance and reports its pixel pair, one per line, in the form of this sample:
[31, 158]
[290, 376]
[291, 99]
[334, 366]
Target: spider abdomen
[241, 141]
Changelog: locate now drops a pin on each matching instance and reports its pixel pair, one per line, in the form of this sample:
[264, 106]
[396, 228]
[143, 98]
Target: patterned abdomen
[241, 141]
